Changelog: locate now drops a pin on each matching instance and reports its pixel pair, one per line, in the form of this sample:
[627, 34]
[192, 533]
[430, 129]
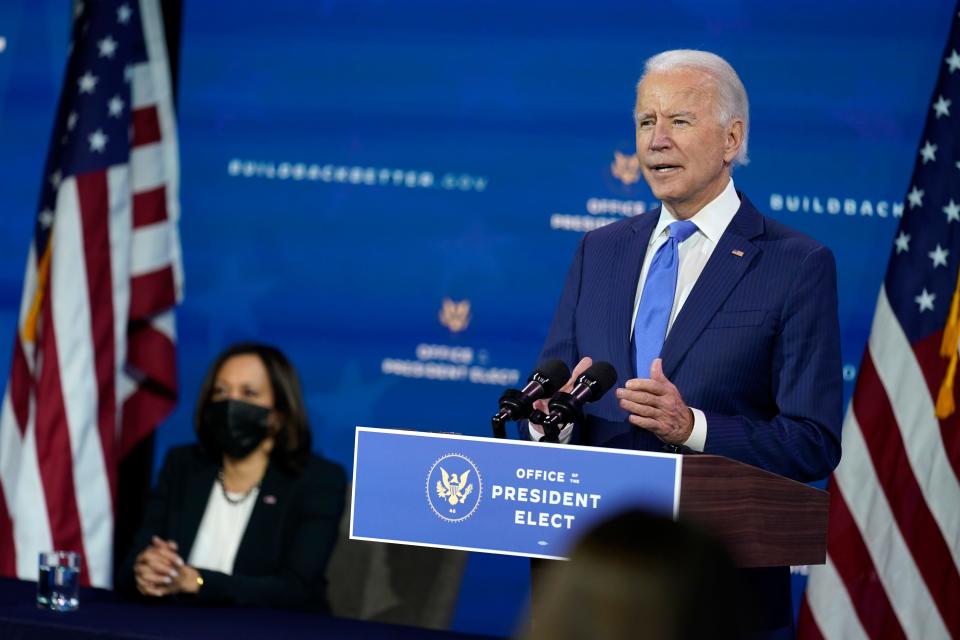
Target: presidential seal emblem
[454, 487]
[455, 316]
[625, 167]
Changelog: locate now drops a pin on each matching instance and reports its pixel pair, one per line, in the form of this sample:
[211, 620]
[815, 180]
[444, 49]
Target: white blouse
[221, 530]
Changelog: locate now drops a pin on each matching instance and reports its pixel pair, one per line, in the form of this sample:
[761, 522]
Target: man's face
[684, 151]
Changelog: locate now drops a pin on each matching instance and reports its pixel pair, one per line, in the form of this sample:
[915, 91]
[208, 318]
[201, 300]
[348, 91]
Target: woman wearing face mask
[247, 516]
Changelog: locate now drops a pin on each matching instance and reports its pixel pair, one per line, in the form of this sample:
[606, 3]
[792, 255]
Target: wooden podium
[765, 520]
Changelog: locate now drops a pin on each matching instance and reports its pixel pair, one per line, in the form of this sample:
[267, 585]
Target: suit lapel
[628, 260]
[713, 287]
[274, 491]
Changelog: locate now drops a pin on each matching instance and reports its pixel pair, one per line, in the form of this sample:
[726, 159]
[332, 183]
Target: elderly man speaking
[721, 322]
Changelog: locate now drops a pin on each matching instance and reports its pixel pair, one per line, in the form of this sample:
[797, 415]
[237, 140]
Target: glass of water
[58, 586]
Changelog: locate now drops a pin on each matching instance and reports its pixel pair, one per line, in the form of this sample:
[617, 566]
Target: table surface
[103, 614]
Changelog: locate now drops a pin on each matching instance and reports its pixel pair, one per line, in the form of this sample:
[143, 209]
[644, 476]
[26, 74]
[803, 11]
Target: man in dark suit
[721, 323]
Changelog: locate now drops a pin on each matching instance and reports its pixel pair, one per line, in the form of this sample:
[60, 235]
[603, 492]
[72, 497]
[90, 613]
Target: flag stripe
[153, 355]
[150, 207]
[54, 453]
[894, 564]
[144, 92]
[160, 85]
[21, 386]
[23, 491]
[151, 248]
[146, 125]
[927, 351]
[10, 448]
[151, 292]
[146, 167]
[8, 556]
[144, 407]
[94, 211]
[918, 527]
[828, 607]
[853, 565]
[76, 350]
[164, 322]
[807, 628]
[914, 423]
[121, 231]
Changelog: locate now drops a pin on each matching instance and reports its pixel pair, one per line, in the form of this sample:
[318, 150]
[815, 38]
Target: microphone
[517, 404]
[567, 407]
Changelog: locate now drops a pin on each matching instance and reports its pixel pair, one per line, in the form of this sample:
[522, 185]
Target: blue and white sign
[499, 496]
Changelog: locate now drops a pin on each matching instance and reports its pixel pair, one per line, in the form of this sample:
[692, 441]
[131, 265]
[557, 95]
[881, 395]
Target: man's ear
[733, 139]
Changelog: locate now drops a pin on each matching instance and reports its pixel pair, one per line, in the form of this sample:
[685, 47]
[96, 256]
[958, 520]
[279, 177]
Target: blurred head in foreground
[640, 576]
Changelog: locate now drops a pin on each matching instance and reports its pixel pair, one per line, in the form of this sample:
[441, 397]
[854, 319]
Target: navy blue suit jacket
[756, 345]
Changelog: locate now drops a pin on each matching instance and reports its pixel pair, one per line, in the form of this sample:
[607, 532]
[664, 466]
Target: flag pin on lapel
[737, 253]
[270, 499]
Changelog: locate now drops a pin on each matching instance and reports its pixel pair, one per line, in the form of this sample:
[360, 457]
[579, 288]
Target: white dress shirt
[694, 253]
[221, 530]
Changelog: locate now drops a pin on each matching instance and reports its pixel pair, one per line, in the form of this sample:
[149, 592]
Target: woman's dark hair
[292, 440]
[639, 575]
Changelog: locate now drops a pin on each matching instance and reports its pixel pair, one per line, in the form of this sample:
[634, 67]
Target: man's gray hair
[732, 96]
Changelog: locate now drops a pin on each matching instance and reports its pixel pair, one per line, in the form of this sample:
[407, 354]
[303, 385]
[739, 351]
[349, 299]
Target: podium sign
[498, 496]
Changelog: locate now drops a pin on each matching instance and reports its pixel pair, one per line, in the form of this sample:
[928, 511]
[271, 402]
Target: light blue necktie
[656, 301]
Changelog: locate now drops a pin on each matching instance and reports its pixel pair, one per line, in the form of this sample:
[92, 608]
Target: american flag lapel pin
[270, 499]
[737, 253]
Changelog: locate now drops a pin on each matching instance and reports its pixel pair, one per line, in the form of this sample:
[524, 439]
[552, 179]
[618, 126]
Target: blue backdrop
[348, 166]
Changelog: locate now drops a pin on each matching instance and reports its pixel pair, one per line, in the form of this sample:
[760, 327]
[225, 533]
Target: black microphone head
[551, 375]
[600, 377]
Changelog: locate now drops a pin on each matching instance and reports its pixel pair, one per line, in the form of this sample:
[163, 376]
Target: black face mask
[236, 427]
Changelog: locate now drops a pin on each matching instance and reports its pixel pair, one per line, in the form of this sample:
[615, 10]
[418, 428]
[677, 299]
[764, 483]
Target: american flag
[893, 549]
[94, 362]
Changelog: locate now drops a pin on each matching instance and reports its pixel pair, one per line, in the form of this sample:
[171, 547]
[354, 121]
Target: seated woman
[247, 516]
